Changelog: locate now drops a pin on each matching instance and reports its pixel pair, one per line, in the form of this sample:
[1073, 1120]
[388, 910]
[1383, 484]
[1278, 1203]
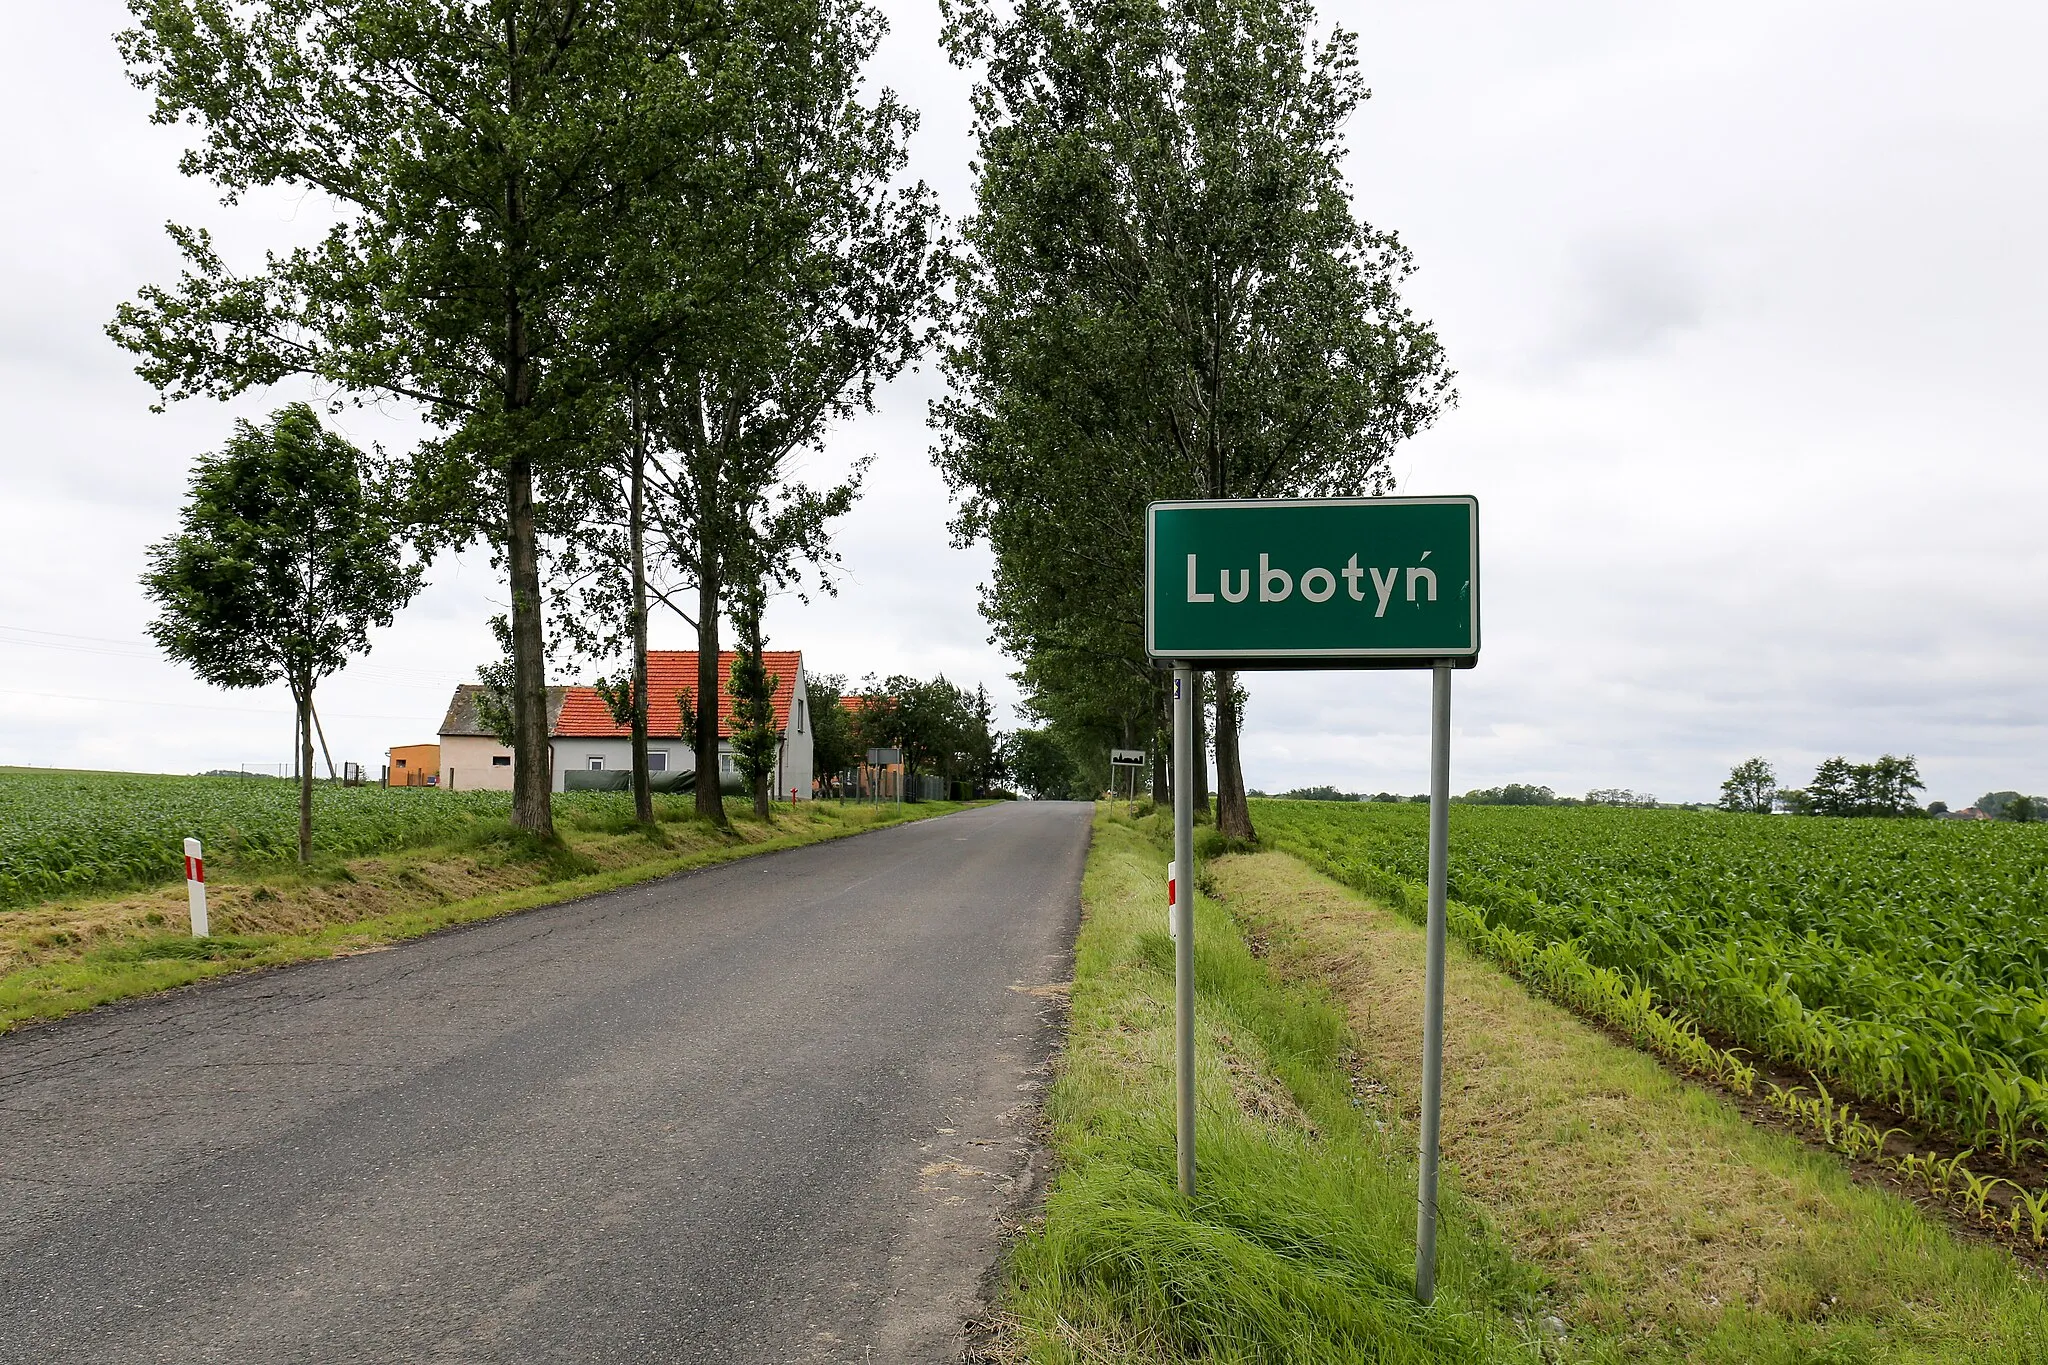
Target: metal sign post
[1130, 760]
[1314, 583]
[1184, 924]
[1433, 977]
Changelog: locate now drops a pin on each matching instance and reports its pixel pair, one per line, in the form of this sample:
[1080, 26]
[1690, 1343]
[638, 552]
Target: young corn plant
[2030, 1216]
[1977, 1193]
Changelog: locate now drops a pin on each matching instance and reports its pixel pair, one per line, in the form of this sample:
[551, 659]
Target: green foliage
[1513, 794]
[1901, 962]
[943, 730]
[1621, 796]
[1298, 1247]
[2013, 806]
[65, 834]
[1042, 765]
[1168, 294]
[756, 740]
[1840, 787]
[835, 747]
[1751, 788]
[286, 557]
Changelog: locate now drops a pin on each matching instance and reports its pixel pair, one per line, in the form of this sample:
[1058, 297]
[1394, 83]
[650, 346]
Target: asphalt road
[772, 1111]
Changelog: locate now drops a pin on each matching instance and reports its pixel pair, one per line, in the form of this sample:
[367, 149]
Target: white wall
[573, 754]
[796, 747]
[466, 764]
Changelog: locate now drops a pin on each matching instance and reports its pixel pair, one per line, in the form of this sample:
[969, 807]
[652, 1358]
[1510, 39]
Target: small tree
[834, 745]
[1040, 764]
[981, 744]
[2023, 809]
[287, 557]
[1752, 787]
[755, 736]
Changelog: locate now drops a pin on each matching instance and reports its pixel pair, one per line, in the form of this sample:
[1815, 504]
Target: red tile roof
[670, 671]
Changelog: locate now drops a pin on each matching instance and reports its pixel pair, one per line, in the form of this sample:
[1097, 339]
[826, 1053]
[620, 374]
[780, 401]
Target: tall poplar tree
[1170, 296]
[490, 163]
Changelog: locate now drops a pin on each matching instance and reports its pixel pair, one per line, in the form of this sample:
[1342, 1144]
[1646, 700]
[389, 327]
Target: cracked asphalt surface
[773, 1111]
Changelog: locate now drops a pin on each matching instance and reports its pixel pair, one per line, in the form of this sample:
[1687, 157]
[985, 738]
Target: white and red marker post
[1172, 892]
[195, 887]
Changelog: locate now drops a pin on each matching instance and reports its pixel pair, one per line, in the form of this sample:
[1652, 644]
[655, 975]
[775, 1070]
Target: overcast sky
[1745, 301]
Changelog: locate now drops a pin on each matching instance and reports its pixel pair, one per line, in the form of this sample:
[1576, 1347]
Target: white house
[583, 737]
[471, 757]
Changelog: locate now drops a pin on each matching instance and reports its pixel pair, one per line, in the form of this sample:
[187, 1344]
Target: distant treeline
[1513, 794]
[1883, 787]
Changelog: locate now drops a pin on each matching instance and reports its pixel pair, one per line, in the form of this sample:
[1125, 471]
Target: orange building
[414, 765]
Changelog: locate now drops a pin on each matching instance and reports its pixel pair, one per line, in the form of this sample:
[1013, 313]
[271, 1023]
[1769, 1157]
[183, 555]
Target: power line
[187, 705]
[130, 649]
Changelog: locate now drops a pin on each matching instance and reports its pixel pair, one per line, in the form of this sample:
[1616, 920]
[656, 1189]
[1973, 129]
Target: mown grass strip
[1666, 1226]
[1299, 1244]
[139, 964]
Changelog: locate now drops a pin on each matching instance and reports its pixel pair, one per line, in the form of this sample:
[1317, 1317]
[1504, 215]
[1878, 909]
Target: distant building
[471, 757]
[413, 765]
[1966, 813]
[584, 738]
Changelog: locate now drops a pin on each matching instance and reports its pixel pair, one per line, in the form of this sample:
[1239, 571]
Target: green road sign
[1313, 583]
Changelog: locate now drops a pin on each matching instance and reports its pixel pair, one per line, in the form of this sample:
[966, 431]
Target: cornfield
[70, 833]
[1902, 961]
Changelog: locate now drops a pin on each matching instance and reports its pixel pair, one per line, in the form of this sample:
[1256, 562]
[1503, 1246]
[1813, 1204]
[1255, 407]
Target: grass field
[451, 864]
[1598, 1209]
[1900, 961]
[63, 833]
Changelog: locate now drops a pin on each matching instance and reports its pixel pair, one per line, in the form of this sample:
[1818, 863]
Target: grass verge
[1663, 1225]
[2005, 1202]
[65, 956]
[1298, 1245]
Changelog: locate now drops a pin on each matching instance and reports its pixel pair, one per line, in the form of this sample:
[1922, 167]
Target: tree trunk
[1233, 811]
[532, 769]
[1200, 711]
[636, 533]
[710, 790]
[304, 696]
[532, 778]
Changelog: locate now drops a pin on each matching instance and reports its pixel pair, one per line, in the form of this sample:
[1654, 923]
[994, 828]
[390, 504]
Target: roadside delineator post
[195, 887]
[1172, 895]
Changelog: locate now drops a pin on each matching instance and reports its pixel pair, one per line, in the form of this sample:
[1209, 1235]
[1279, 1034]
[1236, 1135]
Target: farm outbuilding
[583, 737]
[413, 765]
[472, 759]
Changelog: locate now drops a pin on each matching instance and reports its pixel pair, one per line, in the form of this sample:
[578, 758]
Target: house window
[501, 760]
[728, 764]
[657, 760]
[400, 762]
[595, 763]
[799, 715]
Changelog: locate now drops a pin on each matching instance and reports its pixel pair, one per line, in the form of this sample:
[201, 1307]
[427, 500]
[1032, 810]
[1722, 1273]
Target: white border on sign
[1420, 659]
